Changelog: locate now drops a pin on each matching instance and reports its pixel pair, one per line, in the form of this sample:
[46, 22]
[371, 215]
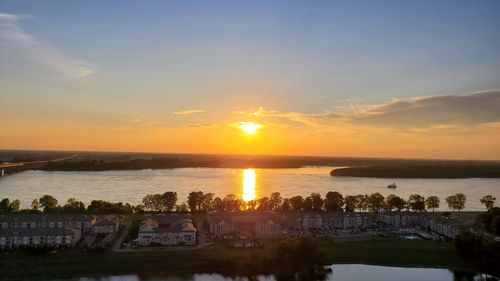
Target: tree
[350, 203]
[231, 203]
[317, 202]
[35, 205]
[194, 201]
[308, 204]
[362, 202]
[153, 202]
[460, 201]
[416, 202]
[451, 201]
[207, 203]
[48, 203]
[276, 201]
[334, 201]
[432, 202]
[15, 205]
[252, 205]
[286, 205]
[218, 204]
[182, 208]
[74, 206]
[488, 201]
[375, 202]
[297, 203]
[4, 205]
[394, 202]
[168, 201]
[456, 202]
[264, 204]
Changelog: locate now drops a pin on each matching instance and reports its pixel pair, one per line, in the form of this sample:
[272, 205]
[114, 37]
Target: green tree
[350, 202]
[394, 202]
[182, 208]
[317, 202]
[219, 204]
[488, 201]
[432, 202]
[286, 205]
[362, 202]
[35, 205]
[231, 203]
[375, 202]
[451, 201]
[194, 201]
[168, 201]
[276, 201]
[48, 203]
[416, 202]
[456, 202]
[74, 206]
[460, 201]
[208, 202]
[4, 205]
[308, 204]
[297, 203]
[264, 204]
[15, 205]
[334, 201]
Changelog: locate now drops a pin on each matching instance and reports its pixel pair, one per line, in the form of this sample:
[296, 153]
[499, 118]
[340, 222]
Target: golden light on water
[248, 184]
[250, 127]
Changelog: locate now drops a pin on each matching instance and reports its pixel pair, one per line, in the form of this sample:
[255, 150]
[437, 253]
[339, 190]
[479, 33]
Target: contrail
[353, 108]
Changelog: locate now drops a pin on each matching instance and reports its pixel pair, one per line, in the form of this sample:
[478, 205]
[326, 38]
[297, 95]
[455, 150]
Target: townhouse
[247, 223]
[167, 230]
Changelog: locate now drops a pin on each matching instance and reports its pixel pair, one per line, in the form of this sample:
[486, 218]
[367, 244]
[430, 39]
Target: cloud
[310, 119]
[189, 111]
[433, 111]
[416, 114]
[39, 51]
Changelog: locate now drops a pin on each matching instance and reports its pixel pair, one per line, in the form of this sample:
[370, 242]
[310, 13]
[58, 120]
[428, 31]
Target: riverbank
[218, 259]
[485, 170]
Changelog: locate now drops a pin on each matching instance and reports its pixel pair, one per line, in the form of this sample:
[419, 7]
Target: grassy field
[217, 258]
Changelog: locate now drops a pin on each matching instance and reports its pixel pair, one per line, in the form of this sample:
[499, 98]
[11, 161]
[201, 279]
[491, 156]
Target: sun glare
[248, 185]
[250, 127]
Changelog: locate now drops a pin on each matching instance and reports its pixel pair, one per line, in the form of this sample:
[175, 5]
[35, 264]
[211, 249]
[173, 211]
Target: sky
[416, 79]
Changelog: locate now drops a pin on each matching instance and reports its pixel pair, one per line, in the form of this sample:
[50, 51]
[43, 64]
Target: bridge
[6, 165]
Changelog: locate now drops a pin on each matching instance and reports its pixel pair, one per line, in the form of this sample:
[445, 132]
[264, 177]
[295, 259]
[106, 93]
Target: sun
[250, 127]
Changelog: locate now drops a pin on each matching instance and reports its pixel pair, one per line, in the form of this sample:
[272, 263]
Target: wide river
[340, 272]
[132, 186]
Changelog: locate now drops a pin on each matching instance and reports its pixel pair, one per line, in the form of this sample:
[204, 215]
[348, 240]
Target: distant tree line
[199, 201]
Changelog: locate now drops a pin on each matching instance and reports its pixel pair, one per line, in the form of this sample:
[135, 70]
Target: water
[132, 186]
[340, 272]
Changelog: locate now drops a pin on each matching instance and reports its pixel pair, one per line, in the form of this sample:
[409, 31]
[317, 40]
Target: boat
[393, 185]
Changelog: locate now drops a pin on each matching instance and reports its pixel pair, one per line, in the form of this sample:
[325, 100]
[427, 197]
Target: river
[340, 272]
[132, 186]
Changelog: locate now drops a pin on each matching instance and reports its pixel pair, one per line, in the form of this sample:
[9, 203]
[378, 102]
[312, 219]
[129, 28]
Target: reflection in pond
[340, 272]
[248, 185]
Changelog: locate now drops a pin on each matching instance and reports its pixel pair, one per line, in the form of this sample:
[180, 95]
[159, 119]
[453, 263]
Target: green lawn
[217, 258]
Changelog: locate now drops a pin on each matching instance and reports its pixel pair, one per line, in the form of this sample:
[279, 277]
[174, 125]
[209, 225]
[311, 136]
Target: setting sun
[250, 127]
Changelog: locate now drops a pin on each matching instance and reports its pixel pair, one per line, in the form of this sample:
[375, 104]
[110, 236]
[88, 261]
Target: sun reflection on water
[248, 184]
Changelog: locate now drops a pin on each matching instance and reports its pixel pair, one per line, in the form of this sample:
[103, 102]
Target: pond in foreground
[340, 272]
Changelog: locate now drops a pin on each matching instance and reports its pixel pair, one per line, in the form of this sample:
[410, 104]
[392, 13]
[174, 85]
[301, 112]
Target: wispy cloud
[37, 50]
[416, 114]
[188, 111]
[310, 119]
[433, 111]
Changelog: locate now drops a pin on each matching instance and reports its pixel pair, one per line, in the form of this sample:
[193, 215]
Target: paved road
[120, 236]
